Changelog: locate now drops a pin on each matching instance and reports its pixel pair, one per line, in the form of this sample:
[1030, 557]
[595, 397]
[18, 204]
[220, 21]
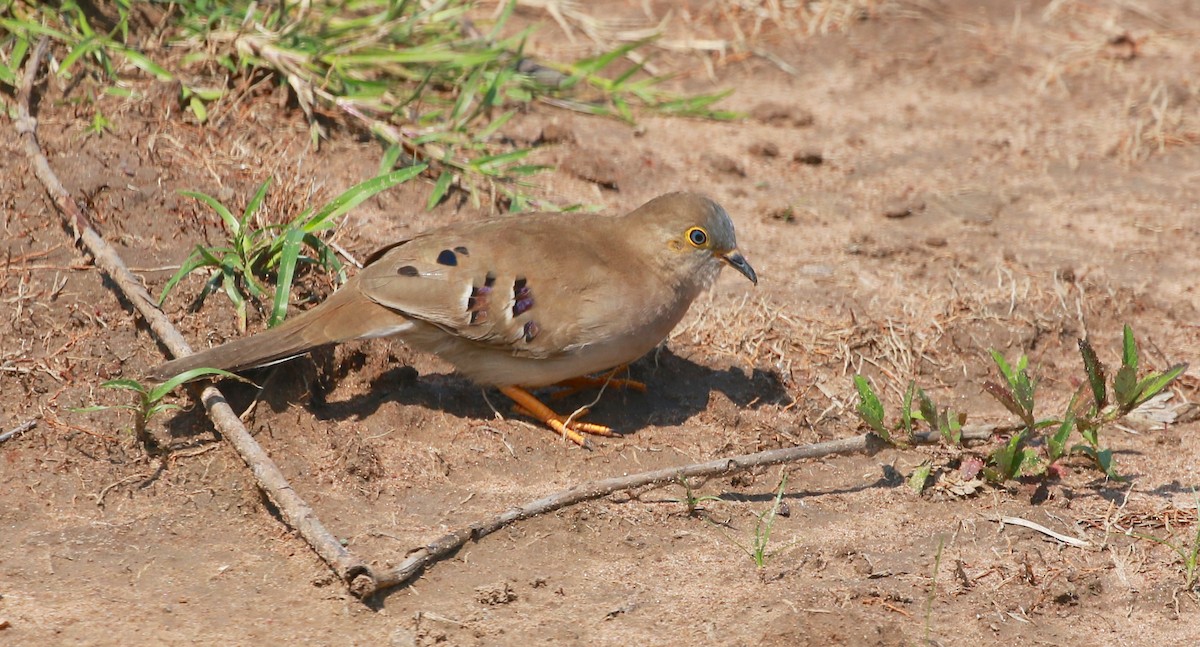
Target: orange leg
[609, 379]
[573, 429]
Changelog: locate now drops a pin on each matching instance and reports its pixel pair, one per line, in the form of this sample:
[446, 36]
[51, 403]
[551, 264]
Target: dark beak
[738, 262]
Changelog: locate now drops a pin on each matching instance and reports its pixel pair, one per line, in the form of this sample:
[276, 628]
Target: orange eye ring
[697, 236]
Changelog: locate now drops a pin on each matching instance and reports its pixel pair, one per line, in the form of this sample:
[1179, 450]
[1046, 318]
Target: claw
[569, 427]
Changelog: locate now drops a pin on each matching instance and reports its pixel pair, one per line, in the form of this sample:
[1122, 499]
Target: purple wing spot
[522, 297]
[447, 257]
[408, 270]
[531, 330]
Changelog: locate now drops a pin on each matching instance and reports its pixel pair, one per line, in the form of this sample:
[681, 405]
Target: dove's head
[692, 234]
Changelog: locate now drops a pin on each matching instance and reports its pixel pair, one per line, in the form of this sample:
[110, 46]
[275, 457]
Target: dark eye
[697, 236]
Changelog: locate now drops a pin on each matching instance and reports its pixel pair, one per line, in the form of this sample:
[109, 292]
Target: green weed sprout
[150, 398]
[1096, 404]
[253, 251]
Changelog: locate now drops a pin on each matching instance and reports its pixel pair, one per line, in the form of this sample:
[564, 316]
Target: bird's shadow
[677, 389]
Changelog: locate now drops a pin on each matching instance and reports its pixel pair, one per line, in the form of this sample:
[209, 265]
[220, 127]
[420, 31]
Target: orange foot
[567, 426]
[606, 380]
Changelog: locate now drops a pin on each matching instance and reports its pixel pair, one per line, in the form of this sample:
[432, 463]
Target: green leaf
[196, 105]
[231, 223]
[906, 417]
[193, 262]
[1125, 387]
[127, 384]
[160, 391]
[1020, 387]
[869, 407]
[287, 271]
[146, 64]
[1008, 458]
[1089, 430]
[1104, 458]
[1153, 383]
[390, 156]
[928, 410]
[1095, 374]
[1005, 371]
[1004, 396]
[919, 477]
[439, 190]
[1056, 443]
[1030, 463]
[229, 283]
[358, 193]
[242, 239]
[1129, 352]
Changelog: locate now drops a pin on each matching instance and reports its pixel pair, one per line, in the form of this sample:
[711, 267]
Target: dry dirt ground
[915, 186]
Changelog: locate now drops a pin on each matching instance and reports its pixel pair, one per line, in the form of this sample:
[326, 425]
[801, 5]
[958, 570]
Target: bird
[518, 302]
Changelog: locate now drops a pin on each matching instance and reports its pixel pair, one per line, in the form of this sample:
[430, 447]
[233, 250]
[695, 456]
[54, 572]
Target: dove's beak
[738, 262]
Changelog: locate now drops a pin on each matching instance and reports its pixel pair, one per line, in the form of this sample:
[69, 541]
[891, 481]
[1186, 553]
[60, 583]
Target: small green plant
[150, 399]
[100, 124]
[943, 421]
[691, 500]
[1107, 405]
[1094, 406]
[757, 548]
[1189, 556]
[254, 250]
[764, 523]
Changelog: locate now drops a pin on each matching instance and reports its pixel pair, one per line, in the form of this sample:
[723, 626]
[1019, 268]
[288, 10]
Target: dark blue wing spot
[447, 257]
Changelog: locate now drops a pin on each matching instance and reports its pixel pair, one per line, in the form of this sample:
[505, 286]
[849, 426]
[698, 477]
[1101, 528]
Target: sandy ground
[914, 186]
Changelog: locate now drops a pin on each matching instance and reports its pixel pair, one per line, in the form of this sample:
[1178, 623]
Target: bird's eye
[697, 236]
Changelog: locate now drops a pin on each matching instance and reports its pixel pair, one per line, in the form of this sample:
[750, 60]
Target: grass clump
[256, 249]
[1098, 403]
[430, 80]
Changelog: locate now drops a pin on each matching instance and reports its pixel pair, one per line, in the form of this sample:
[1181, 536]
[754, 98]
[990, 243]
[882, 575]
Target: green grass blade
[231, 223]
[356, 194]
[124, 383]
[439, 190]
[160, 391]
[287, 271]
[195, 261]
[251, 209]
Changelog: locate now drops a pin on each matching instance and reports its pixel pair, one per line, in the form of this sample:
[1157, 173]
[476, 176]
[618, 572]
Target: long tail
[345, 315]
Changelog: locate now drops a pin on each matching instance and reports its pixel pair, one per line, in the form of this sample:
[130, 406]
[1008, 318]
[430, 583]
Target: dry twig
[19, 429]
[443, 546]
[295, 512]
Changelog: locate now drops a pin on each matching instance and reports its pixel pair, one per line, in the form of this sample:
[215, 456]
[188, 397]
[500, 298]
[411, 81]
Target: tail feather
[345, 315]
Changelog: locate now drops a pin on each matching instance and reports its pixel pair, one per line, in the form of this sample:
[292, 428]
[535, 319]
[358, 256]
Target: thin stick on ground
[19, 429]
[295, 512]
[443, 546]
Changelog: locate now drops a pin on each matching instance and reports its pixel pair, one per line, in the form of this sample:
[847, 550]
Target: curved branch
[295, 512]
